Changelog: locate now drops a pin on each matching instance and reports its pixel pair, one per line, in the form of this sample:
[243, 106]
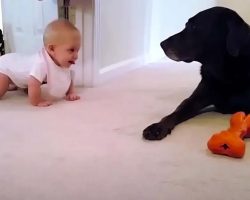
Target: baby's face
[66, 53]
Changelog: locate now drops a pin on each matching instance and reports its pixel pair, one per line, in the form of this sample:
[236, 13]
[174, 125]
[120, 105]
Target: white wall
[168, 18]
[122, 30]
[134, 27]
[242, 7]
[1, 22]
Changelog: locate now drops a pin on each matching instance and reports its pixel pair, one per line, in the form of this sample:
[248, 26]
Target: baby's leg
[4, 84]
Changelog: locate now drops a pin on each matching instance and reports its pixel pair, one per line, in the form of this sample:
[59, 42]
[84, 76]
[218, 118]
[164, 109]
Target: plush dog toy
[230, 142]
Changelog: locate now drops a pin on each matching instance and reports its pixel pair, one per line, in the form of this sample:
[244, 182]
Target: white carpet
[93, 149]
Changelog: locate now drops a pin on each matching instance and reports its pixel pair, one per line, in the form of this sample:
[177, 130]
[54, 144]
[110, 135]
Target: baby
[52, 64]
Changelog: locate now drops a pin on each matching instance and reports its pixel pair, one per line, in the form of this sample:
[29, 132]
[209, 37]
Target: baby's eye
[71, 50]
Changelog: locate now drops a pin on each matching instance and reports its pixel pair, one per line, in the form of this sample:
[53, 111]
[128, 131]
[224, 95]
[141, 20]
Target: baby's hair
[55, 28]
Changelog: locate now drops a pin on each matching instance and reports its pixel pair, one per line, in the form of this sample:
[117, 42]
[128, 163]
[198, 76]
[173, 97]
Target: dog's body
[219, 39]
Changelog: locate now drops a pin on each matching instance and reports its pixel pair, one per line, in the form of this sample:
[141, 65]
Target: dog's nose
[163, 44]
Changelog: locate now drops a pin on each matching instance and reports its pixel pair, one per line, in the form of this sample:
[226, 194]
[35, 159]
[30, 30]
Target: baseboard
[117, 69]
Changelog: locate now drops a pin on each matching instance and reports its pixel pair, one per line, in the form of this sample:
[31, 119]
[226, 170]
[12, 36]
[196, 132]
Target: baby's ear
[50, 48]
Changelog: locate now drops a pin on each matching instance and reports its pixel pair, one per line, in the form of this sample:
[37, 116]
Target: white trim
[96, 42]
[114, 70]
[88, 40]
[91, 42]
[78, 68]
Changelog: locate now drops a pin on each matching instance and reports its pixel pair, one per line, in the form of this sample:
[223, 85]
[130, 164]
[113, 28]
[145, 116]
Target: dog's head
[212, 32]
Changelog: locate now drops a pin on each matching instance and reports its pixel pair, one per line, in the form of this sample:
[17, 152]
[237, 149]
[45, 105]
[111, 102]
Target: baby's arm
[34, 93]
[71, 95]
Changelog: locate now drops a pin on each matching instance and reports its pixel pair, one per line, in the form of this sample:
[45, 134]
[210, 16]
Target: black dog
[219, 39]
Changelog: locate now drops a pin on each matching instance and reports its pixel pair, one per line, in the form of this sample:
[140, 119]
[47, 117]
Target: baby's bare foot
[12, 87]
[25, 90]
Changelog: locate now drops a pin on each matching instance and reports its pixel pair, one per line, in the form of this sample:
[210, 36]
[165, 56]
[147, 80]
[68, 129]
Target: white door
[24, 22]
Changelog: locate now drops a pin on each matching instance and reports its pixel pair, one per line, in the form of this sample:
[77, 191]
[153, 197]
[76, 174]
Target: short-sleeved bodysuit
[18, 67]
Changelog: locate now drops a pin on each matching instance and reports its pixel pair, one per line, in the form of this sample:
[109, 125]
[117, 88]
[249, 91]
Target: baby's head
[62, 41]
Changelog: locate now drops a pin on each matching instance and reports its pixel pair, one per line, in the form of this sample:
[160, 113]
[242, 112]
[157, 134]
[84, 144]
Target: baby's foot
[25, 90]
[12, 87]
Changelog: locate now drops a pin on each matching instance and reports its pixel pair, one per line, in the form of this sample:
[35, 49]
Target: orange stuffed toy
[230, 142]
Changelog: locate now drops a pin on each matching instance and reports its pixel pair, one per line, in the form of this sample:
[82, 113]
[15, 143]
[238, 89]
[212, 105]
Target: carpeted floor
[93, 149]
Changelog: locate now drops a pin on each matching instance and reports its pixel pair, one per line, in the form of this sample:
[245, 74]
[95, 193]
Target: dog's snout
[163, 44]
[167, 44]
[168, 50]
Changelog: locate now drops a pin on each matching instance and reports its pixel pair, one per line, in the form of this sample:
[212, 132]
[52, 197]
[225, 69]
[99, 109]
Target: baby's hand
[72, 97]
[44, 103]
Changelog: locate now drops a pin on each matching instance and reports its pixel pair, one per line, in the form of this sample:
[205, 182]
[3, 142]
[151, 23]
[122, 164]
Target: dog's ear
[238, 34]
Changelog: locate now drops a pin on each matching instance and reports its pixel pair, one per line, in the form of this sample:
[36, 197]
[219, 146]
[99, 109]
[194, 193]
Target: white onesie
[18, 67]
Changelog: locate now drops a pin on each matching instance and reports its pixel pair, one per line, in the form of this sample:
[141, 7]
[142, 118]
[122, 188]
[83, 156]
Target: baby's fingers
[72, 97]
[44, 104]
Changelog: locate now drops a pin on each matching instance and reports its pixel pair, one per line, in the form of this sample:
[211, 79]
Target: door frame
[91, 42]
[93, 74]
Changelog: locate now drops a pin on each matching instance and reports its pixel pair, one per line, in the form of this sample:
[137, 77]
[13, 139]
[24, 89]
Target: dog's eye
[193, 27]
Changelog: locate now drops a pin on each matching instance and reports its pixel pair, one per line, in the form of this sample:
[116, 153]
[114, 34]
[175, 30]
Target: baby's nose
[76, 56]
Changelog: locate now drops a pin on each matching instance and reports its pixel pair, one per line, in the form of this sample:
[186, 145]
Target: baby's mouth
[72, 62]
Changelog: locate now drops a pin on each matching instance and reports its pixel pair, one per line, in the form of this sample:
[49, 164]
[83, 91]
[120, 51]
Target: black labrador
[219, 39]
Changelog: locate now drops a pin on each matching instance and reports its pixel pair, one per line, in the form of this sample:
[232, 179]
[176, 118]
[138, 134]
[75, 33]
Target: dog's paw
[156, 131]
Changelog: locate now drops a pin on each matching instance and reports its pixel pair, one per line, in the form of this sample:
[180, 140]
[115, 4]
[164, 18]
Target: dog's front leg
[189, 108]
